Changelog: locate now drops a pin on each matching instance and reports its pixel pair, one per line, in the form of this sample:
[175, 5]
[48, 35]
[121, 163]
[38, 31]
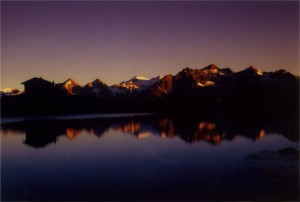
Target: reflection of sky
[117, 40]
[119, 163]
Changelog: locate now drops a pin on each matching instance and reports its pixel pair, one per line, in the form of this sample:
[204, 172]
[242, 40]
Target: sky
[114, 41]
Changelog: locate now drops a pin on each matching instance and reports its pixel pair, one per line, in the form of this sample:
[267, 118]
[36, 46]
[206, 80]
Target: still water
[149, 157]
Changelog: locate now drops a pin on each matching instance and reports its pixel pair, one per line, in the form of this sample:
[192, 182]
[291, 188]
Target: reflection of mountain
[189, 129]
[39, 139]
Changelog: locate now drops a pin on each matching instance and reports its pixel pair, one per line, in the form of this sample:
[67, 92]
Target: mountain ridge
[210, 90]
[206, 76]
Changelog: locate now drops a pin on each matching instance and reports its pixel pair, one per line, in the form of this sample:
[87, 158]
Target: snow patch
[209, 83]
[200, 84]
[259, 72]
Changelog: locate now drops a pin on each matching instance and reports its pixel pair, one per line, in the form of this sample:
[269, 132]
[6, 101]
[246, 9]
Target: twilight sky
[114, 41]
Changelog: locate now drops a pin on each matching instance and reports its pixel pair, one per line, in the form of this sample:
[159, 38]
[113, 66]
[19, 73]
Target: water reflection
[189, 129]
[128, 159]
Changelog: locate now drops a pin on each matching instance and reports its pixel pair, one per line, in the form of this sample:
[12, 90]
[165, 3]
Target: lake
[149, 157]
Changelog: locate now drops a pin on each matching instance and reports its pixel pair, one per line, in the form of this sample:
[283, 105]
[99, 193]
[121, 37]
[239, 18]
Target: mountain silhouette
[70, 86]
[207, 90]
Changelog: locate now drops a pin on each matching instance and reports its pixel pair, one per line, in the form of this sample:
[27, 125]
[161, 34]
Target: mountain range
[210, 89]
[186, 80]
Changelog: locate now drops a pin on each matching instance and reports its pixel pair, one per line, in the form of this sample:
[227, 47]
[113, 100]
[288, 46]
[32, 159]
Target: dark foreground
[156, 157]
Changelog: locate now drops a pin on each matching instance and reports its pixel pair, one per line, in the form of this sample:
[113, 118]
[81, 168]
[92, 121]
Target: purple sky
[114, 41]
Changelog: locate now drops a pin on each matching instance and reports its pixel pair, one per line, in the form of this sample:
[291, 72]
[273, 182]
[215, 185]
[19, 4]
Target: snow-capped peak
[212, 68]
[140, 81]
[137, 83]
[139, 78]
[9, 91]
[71, 86]
[70, 81]
[251, 70]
